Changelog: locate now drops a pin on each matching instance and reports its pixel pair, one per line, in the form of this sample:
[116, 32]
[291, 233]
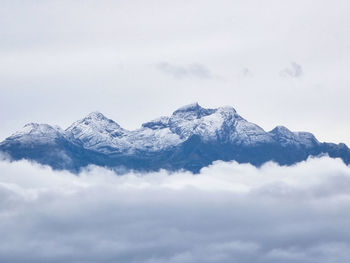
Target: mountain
[190, 139]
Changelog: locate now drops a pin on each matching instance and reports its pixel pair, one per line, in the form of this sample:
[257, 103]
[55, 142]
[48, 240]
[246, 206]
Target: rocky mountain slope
[190, 139]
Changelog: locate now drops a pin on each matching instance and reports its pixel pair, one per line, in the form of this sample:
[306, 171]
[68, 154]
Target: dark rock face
[192, 138]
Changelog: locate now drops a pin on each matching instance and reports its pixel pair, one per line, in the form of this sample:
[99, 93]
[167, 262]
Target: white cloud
[193, 70]
[294, 71]
[228, 213]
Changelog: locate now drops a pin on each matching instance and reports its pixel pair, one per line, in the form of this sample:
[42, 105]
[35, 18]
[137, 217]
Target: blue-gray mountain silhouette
[191, 138]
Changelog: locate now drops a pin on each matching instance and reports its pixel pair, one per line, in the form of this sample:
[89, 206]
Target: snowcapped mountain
[37, 133]
[95, 132]
[191, 138]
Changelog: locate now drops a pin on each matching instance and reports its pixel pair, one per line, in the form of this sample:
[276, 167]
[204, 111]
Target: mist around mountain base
[229, 212]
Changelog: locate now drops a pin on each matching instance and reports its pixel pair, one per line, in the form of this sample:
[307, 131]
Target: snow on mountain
[159, 123]
[190, 119]
[97, 132]
[191, 138]
[148, 139]
[223, 123]
[37, 133]
[299, 139]
[240, 131]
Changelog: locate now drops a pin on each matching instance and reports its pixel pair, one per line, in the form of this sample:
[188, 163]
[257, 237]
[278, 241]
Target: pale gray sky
[277, 62]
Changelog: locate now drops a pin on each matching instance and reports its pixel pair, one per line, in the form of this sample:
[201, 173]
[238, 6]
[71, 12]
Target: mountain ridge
[190, 139]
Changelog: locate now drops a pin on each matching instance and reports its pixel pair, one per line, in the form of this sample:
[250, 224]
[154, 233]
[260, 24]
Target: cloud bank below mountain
[228, 213]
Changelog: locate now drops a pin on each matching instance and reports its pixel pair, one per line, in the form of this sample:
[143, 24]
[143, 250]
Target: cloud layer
[227, 213]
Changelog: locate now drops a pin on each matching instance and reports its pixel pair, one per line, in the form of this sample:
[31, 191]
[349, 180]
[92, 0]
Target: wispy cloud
[228, 213]
[246, 73]
[294, 71]
[185, 71]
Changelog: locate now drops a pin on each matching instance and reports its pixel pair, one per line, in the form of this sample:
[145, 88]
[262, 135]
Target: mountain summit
[190, 139]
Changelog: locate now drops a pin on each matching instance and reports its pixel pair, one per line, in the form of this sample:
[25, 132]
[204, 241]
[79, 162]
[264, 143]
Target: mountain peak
[287, 137]
[39, 128]
[191, 138]
[95, 120]
[37, 132]
[192, 111]
[281, 130]
[227, 109]
[95, 115]
[93, 129]
[189, 107]
[159, 123]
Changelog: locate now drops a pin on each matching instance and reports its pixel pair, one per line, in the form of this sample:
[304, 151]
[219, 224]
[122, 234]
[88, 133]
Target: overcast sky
[277, 62]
